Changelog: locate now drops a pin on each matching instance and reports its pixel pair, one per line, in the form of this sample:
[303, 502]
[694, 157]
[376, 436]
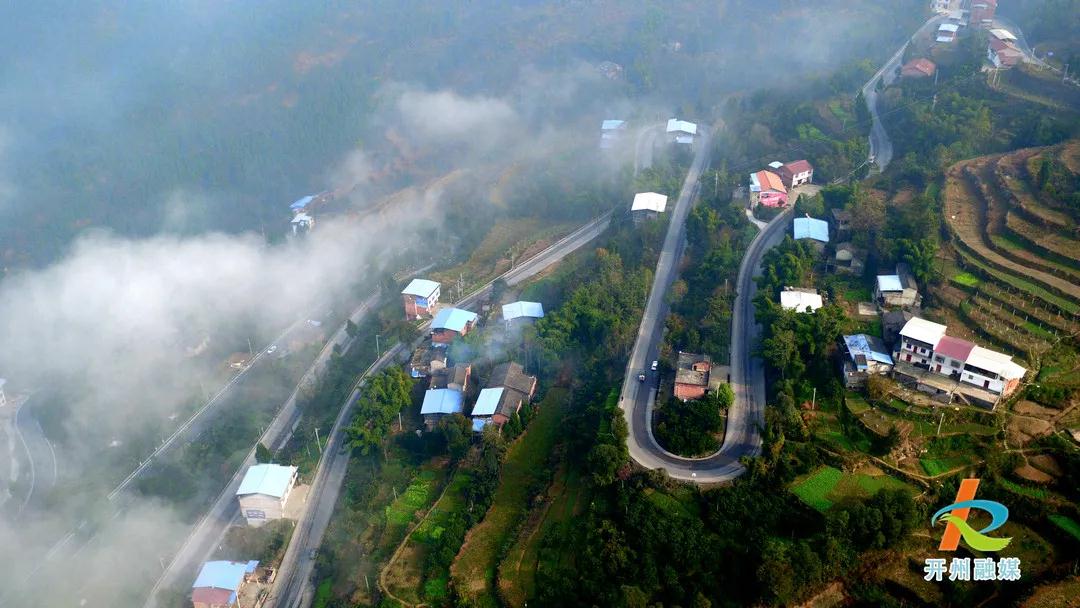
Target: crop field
[1016, 281]
[940, 465]
[1067, 524]
[828, 486]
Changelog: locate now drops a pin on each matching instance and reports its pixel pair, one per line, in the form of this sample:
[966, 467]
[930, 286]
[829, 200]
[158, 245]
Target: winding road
[747, 413]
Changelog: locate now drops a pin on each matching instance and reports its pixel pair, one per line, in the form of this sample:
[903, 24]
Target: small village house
[455, 377]
[647, 205]
[897, 289]
[439, 403]
[219, 582]
[800, 299]
[982, 13]
[512, 376]
[920, 67]
[449, 323]
[681, 131]
[1003, 54]
[264, 491]
[947, 32]
[522, 311]
[814, 230]
[426, 359]
[496, 406]
[767, 189]
[611, 131]
[866, 355]
[302, 223]
[796, 173]
[917, 341]
[420, 297]
[892, 321]
[841, 224]
[849, 259]
[694, 376]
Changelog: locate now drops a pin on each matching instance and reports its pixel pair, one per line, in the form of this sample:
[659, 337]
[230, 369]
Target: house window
[955, 364]
[939, 358]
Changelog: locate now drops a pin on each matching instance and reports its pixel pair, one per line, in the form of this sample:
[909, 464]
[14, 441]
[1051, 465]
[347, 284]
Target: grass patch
[1036, 493]
[474, 569]
[937, 466]
[813, 489]
[966, 279]
[856, 403]
[1067, 524]
[678, 503]
[414, 499]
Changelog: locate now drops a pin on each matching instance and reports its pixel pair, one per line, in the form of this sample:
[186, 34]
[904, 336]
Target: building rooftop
[442, 401]
[512, 376]
[799, 301]
[841, 215]
[487, 402]
[948, 27]
[921, 65]
[515, 310]
[810, 228]
[1002, 34]
[775, 164]
[269, 479]
[868, 348]
[889, 282]
[998, 363]
[454, 319]
[798, 166]
[609, 125]
[766, 180]
[954, 348]
[478, 424]
[681, 126]
[685, 374]
[421, 288]
[922, 330]
[649, 201]
[224, 575]
[301, 203]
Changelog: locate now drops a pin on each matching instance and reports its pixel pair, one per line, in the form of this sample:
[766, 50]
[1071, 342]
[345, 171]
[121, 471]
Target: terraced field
[1017, 249]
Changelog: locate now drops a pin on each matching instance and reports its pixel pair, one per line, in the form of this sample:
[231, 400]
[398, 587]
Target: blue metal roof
[487, 402]
[453, 319]
[870, 347]
[269, 479]
[442, 401]
[478, 424]
[607, 125]
[300, 204]
[514, 310]
[223, 575]
[889, 282]
[810, 228]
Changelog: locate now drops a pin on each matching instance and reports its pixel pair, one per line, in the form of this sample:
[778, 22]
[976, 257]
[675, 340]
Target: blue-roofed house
[866, 355]
[441, 402]
[219, 582]
[449, 323]
[497, 405]
[521, 310]
[302, 204]
[817, 231]
[610, 132]
[264, 491]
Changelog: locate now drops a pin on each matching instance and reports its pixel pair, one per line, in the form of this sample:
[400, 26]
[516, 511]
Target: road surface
[746, 414]
[881, 148]
[292, 587]
[40, 455]
[644, 145]
[205, 536]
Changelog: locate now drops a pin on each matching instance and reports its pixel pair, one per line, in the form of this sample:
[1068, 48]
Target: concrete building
[982, 13]
[1003, 54]
[800, 300]
[496, 406]
[694, 376]
[647, 205]
[849, 259]
[449, 323]
[918, 68]
[522, 311]
[420, 297]
[219, 582]
[796, 173]
[897, 289]
[948, 367]
[681, 132]
[439, 403]
[767, 189]
[866, 355]
[611, 131]
[814, 230]
[264, 491]
[512, 376]
[455, 377]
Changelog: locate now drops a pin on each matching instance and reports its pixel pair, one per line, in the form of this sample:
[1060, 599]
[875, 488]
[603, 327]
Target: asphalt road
[746, 414]
[292, 587]
[881, 148]
[205, 536]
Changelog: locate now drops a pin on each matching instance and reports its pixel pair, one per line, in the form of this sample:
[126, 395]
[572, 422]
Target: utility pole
[399, 425]
[317, 441]
[377, 348]
[251, 349]
[813, 402]
[939, 423]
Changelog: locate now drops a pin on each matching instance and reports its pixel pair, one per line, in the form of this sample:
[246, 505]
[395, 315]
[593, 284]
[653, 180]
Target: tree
[919, 255]
[351, 329]
[263, 455]
[384, 396]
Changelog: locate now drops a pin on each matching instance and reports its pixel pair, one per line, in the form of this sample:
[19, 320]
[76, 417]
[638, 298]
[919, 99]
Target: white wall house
[263, 492]
[917, 341]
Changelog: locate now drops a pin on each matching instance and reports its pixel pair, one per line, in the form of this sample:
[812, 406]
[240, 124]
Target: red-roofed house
[796, 173]
[918, 68]
[1003, 54]
[767, 189]
[982, 13]
[950, 354]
